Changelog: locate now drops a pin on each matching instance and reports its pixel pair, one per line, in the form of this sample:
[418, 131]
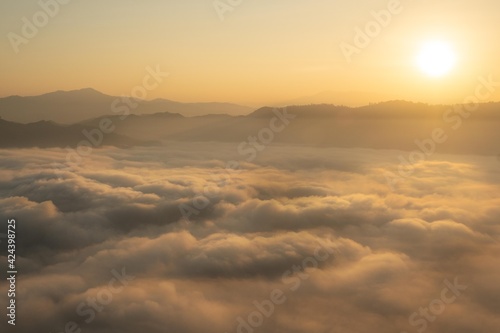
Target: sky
[258, 52]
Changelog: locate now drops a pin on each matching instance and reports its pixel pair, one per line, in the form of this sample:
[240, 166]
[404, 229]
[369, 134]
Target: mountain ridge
[67, 107]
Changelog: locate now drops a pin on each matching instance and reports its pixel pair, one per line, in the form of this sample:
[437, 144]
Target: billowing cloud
[104, 245]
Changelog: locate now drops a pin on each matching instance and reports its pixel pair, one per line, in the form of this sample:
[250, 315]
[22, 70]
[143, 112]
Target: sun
[436, 58]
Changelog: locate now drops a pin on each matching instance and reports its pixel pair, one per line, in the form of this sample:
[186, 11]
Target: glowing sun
[436, 58]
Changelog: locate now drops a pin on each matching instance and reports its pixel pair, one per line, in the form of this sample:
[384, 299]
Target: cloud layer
[386, 252]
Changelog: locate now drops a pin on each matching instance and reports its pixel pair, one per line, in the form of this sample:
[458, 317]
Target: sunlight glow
[436, 58]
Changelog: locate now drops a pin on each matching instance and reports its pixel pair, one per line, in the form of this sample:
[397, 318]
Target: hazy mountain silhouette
[44, 134]
[174, 126]
[350, 98]
[68, 107]
[389, 125]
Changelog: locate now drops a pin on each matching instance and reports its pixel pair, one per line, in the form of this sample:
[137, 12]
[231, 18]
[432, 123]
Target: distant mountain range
[350, 98]
[391, 125]
[45, 134]
[67, 107]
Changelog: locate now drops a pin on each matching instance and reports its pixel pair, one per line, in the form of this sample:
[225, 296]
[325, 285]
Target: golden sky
[261, 52]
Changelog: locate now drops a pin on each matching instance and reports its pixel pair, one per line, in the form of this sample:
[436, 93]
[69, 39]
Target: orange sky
[262, 52]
